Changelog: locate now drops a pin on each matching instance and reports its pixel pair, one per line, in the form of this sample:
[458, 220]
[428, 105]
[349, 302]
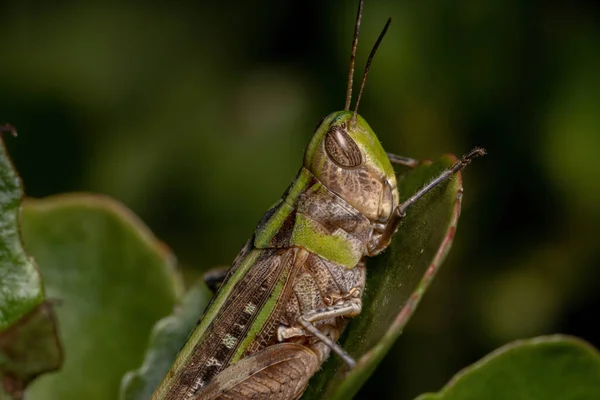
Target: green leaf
[167, 337]
[396, 281]
[550, 368]
[28, 341]
[112, 280]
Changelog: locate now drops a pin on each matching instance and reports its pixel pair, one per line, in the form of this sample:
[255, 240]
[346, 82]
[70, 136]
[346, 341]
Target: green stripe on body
[339, 247]
[195, 338]
[267, 232]
[263, 315]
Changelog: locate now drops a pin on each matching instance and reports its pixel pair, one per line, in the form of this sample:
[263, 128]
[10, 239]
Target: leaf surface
[549, 367]
[111, 279]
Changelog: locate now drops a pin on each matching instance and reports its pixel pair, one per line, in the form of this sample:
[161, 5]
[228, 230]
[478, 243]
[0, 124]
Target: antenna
[353, 55]
[368, 66]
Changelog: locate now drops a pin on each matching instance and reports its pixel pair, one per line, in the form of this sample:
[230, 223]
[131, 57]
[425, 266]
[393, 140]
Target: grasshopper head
[346, 156]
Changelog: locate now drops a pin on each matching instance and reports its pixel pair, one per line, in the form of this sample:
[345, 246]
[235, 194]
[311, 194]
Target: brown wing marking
[230, 326]
[278, 372]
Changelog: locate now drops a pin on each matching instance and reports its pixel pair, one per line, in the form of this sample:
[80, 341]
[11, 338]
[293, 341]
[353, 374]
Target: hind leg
[279, 372]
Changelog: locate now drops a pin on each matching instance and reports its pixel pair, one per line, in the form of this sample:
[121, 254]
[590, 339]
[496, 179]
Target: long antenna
[369, 60]
[353, 55]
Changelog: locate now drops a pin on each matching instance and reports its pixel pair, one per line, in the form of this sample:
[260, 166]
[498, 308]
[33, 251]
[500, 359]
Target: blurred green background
[196, 114]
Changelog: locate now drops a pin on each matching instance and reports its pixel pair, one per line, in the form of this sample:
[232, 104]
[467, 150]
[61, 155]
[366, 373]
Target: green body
[306, 250]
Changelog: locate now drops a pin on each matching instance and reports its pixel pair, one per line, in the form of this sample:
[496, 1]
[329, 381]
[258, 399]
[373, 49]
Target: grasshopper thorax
[346, 156]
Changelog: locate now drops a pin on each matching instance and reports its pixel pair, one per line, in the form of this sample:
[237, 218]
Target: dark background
[195, 115]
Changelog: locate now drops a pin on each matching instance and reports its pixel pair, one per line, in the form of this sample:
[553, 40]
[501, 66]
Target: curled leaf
[396, 281]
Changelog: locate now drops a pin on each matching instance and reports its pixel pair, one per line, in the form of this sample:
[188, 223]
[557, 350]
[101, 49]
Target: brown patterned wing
[279, 372]
[233, 321]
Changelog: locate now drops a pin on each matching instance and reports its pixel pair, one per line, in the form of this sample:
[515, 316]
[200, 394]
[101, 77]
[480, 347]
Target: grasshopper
[286, 298]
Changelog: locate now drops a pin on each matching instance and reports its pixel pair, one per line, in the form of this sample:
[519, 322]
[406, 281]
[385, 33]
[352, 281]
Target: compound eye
[341, 148]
